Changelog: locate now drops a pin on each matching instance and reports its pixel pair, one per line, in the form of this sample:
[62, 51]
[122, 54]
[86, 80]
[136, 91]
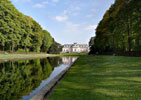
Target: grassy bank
[23, 56]
[35, 55]
[101, 78]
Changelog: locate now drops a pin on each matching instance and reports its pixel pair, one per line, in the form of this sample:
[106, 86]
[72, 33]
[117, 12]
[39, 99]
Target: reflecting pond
[20, 80]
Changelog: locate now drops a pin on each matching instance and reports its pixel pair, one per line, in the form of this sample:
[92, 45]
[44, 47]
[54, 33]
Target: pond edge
[45, 91]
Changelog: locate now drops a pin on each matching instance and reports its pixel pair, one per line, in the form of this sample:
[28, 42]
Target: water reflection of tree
[21, 77]
[54, 61]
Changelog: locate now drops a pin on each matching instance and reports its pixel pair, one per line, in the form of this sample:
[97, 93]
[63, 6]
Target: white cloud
[45, 2]
[89, 16]
[74, 8]
[38, 5]
[93, 10]
[75, 14]
[55, 1]
[72, 26]
[21, 0]
[41, 5]
[65, 12]
[61, 18]
[91, 27]
[15, 0]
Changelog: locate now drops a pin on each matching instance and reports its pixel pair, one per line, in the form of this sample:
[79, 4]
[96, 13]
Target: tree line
[120, 29]
[19, 32]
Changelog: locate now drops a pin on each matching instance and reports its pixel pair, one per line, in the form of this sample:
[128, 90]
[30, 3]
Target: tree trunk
[25, 49]
[129, 35]
[12, 48]
[3, 48]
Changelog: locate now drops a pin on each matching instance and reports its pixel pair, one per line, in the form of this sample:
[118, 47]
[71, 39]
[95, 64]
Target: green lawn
[101, 78]
[35, 55]
[23, 56]
[73, 54]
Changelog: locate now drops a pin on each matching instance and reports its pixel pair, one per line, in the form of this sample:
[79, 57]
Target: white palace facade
[75, 48]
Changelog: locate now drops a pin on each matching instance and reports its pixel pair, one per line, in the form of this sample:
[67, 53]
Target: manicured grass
[23, 56]
[101, 78]
[35, 55]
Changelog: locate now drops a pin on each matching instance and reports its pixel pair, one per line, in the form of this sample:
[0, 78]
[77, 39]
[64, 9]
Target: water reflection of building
[68, 60]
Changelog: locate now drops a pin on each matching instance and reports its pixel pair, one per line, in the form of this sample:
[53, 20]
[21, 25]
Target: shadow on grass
[101, 78]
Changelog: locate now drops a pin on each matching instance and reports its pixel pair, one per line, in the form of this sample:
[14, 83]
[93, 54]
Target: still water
[20, 80]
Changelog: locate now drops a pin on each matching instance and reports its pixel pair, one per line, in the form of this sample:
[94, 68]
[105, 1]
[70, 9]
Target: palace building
[75, 48]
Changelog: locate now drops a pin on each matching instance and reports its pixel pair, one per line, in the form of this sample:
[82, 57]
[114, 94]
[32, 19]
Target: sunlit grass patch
[113, 93]
[23, 56]
[101, 78]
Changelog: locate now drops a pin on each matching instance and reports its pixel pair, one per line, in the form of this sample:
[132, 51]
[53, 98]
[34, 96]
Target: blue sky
[68, 21]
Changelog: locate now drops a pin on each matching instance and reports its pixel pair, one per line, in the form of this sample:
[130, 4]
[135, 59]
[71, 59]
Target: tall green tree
[19, 32]
[55, 48]
[36, 35]
[120, 28]
[47, 41]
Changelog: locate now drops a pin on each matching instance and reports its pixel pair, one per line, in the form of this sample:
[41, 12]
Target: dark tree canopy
[120, 28]
[47, 41]
[55, 48]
